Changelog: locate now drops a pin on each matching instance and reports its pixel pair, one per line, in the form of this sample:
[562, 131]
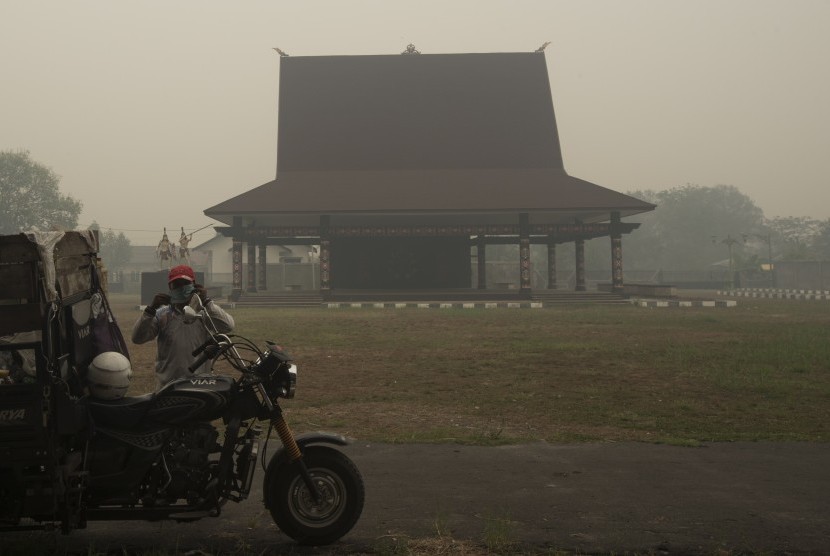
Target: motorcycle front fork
[295, 455]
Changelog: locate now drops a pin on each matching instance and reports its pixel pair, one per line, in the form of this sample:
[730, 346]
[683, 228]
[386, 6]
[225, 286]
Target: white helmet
[108, 376]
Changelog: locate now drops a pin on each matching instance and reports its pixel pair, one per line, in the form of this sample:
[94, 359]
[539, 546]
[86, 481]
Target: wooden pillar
[325, 257]
[251, 267]
[616, 255]
[551, 263]
[236, 258]
[524, 254]
[481, 257]
[580, 265]
[262, 278]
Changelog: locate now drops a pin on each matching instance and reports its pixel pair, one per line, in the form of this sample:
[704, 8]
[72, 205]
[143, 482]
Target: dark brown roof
[420, 133]
[429, 111]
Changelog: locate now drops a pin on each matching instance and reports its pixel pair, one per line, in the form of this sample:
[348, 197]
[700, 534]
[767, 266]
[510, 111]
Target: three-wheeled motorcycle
[71, 453]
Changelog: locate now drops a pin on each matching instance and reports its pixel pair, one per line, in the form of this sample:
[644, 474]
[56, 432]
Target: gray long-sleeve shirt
[177, 339]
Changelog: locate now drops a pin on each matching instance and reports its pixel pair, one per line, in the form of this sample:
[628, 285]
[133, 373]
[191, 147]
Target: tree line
[696, 228]
[692, 228]
[30, 199]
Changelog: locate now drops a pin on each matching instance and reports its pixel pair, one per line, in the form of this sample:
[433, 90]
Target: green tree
[114, 249]
[793, 236]
[29, 196]
[691, 228]
[821, 241]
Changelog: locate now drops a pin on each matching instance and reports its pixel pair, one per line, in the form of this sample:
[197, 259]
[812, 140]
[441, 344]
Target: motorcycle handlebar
[198, 363]
[213, 348]
[209, 351]
[202, 347]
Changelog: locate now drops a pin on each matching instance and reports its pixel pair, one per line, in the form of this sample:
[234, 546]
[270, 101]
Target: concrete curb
[800, 295]
[524, 304]
[459, 305]
[721, 303]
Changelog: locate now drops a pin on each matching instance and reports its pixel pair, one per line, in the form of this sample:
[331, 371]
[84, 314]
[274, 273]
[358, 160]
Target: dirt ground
[731, 498]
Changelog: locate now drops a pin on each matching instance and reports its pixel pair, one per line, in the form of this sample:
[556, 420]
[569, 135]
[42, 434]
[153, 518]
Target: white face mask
[181, 294]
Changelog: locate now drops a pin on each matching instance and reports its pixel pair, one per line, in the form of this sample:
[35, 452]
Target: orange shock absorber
[295, 455]
[287, 438]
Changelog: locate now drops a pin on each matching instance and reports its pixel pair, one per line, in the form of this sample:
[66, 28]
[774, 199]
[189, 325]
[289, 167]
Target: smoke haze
[153, 111]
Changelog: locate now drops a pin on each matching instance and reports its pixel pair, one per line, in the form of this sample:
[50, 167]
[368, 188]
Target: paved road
[589, 498]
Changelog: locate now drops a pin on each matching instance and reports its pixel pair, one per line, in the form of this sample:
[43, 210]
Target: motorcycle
[163, 456]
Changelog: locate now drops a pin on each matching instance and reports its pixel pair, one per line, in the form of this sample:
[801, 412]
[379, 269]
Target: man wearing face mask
[177, 339]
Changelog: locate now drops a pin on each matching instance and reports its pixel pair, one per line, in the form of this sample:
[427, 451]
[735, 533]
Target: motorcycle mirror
[195, 302]
[196, 310]
[190, 315]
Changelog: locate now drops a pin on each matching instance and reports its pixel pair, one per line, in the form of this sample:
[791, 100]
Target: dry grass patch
[758, 371]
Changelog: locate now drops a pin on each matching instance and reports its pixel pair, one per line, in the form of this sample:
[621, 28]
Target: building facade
[401, 169]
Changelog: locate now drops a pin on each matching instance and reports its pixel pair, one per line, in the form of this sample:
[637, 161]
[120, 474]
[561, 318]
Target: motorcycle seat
[127, 412]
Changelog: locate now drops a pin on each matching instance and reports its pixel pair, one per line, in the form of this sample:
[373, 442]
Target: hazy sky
[153, 111]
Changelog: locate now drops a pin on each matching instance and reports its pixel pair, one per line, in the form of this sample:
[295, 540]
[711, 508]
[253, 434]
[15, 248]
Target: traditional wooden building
[403, 168]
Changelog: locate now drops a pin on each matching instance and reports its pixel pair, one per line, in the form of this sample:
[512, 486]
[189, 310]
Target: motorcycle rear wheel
[292, 505]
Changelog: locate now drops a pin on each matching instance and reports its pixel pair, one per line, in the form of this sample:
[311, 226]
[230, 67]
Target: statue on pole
[165, 252]
[184, 250]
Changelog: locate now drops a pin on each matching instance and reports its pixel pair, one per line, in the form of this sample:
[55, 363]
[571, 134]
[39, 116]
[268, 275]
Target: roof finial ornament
[543, 47]
[410, 49]
[280, 52]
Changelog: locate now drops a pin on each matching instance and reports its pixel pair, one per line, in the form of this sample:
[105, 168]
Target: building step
[279, 299]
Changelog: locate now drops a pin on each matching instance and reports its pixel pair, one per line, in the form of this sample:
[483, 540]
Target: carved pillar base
[251, 268]
[524, 265]
[551, 263]
[524, 255]
[325, 257]
[236, 257]
[481, 250]
[616, 265]
[580, 265]
[616, 255]
[262, 278]
[325, 268]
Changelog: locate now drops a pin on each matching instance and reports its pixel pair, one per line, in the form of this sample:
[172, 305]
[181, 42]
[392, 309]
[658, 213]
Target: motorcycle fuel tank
[198, 398]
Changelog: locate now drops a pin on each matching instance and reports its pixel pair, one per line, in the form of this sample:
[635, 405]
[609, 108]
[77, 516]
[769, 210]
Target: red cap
[181, 271]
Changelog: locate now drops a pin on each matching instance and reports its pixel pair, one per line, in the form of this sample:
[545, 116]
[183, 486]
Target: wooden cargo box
[39, 268]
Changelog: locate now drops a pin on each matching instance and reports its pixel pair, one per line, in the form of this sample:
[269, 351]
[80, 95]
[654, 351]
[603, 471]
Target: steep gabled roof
[429, 133]
[416, 112]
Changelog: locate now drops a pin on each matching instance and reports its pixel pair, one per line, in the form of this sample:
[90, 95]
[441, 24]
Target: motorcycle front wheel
[293, 507]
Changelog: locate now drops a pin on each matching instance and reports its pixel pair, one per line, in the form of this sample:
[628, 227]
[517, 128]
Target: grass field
[758, 371]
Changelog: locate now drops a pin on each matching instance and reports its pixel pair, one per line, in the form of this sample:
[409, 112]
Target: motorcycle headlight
[266, 364]
[278, 374]
[290, 381]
